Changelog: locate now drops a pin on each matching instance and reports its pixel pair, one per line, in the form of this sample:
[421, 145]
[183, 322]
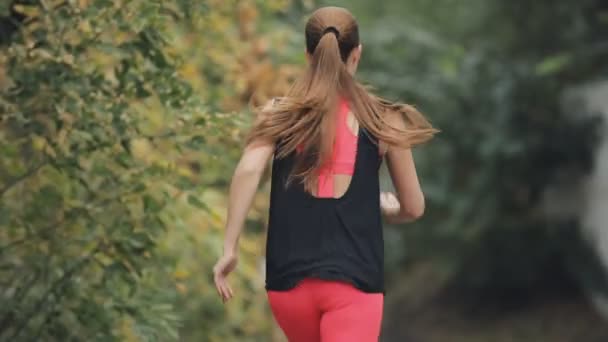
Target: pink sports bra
[343, 156]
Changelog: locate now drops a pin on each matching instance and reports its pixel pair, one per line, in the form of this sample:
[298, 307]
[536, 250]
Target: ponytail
[321, 87]
[304, 121]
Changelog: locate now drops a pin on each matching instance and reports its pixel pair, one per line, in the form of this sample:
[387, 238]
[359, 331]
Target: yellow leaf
[189, 70]
[181, 274]
[38, 143]
[28, 11]
[85, 26]
[84, 3]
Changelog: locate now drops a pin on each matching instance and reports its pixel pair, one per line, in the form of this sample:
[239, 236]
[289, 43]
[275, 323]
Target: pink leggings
[328, 311]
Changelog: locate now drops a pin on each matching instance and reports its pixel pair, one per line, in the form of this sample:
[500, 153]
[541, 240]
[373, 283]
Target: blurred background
[121, 122]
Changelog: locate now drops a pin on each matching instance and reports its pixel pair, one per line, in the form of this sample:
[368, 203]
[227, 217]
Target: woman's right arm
[243, 187]
[402, 169]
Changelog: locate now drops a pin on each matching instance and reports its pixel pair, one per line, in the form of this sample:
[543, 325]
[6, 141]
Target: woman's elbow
[412, 215]
[413, 212]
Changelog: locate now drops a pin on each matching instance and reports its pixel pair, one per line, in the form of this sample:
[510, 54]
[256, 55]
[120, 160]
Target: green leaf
[194, 201]
[197, 142]
[151, 204]
[5, 8]
[124, 159]
[553, 64]
[184, 183]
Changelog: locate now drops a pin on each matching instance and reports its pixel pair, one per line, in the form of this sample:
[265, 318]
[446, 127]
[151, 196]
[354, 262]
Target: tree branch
[20, 293]
[57, 285]
[17, 180]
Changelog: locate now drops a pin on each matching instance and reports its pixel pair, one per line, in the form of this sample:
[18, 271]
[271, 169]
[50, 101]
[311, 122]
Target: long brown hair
[305, 117]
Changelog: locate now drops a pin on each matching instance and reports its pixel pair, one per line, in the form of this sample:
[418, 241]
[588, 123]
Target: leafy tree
[115, 140]
[490, 74]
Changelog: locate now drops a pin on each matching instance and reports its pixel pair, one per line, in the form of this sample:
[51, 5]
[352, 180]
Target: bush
[116, 143]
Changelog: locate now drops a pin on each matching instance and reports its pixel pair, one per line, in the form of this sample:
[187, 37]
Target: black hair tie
[333, 30]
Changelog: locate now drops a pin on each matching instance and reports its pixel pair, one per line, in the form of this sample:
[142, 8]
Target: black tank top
[327, 238]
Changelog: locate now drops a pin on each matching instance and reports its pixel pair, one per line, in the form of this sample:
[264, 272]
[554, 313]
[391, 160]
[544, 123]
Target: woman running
[327, 139]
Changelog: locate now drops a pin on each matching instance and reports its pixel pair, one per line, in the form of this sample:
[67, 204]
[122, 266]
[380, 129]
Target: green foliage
[115, 151]
[490, 75]
[82, 211]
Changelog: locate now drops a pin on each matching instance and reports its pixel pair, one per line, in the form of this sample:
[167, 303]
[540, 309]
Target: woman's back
[335, 176]
[327, 237]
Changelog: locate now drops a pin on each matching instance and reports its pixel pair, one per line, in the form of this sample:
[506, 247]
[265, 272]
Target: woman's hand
[389, 206]
[223, 267]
